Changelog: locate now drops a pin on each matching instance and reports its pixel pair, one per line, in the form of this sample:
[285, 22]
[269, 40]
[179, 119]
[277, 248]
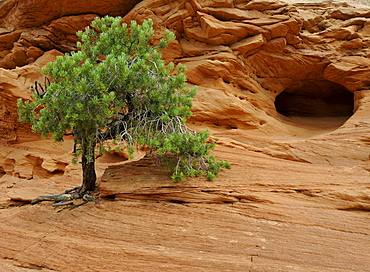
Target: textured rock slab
[351, 72]
[25, 190]
[254, 50]
[301, 226]
[30, 13]
[249, 44]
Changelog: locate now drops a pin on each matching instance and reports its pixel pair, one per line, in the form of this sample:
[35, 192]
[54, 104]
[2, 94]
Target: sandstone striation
[284, 85]
[259, 53]
[249, 54]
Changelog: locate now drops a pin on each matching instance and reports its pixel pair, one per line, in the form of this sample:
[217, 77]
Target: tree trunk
[88, 169]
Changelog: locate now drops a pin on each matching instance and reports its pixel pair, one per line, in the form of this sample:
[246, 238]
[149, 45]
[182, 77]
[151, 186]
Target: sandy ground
[294, 203]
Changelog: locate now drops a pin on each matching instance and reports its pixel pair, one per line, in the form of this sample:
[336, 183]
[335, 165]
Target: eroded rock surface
[284, 85]
[243, 53]
[266, 214]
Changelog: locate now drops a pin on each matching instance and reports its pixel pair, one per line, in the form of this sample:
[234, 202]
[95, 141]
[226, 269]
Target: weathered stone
[364, 32]
[28, 13]
[276, 45]
[292, 39]
[264, 21]
[276, 30]
[8, 39]
[248, 44]
[261, 5]
[16, 84]
[349, 13]
[228, 14]
[216, 32]
[338, 33]
[195, 48]
[357, 43]
[351, 72]
[285, 88]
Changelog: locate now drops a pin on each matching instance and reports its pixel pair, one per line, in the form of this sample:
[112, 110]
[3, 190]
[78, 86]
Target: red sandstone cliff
[260, 58]
[285, 87]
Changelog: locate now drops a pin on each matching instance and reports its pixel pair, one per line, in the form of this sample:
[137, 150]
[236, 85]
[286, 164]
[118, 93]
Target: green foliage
[117, 87]
[191, 151]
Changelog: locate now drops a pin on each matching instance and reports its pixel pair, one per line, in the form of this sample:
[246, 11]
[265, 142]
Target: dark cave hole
[315, 99]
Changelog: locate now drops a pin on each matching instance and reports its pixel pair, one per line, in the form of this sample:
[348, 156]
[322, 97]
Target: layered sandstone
[284, 85]
[260, 58]
[257, 64]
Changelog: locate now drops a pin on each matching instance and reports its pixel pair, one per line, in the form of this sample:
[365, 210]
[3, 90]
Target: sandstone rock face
[284, 85]
[29, 28]
[266, 214]
[15, 84]
[28, 14]
[251, 55]
[312, 55]
[32, 33]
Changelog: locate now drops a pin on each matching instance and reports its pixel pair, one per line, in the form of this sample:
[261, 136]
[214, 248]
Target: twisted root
[67, 198]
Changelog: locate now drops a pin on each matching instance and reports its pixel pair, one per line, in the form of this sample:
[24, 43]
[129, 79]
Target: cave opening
[319, 98]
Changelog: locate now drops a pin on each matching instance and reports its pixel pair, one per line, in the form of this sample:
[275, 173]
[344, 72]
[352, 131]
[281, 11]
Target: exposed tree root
[67, 198]
[62, 203]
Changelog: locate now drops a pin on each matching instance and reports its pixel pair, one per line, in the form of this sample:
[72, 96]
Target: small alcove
[319, 98]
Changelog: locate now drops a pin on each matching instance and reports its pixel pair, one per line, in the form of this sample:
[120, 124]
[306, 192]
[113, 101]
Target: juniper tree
[116, 88]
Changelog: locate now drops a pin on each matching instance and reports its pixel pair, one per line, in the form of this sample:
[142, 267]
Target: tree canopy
[117, 88]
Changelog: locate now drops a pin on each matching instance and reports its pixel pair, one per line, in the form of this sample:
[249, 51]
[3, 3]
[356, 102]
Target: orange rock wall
[285, 87]
[241, 54]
